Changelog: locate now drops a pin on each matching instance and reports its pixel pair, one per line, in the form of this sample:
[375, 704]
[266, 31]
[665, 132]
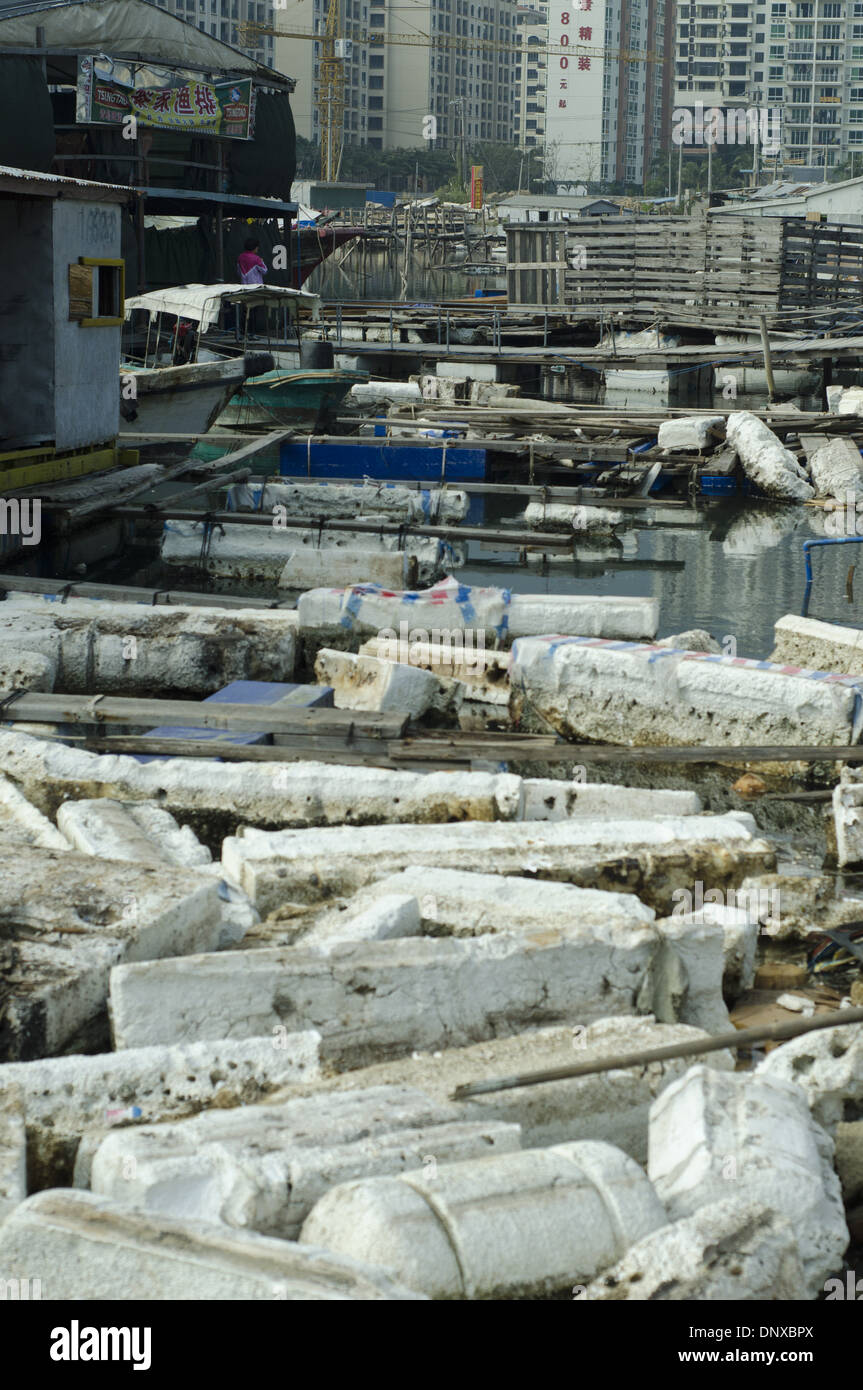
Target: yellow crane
[335, 48]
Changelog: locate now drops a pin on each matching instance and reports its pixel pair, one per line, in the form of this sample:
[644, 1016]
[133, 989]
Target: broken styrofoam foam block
[308, 569]
[118, 647]
[632, 693]
[20, 821]
[848, 817]
[691, 432]
[723, 1251]
[80, 1246]
[517, 1226]
[765, 459]
[260, 553]
[367, 610]
[23, 670]
[380, 392]
[328, 499]
[553, 799]
[611, 1105]
[715, 1134]
[450, 656]
[695, 639]
[845, 400]
[454, 903]
[649, 857]
[818, 646]
[138, 830]
[302, 794]
[379, 999]
[564, 516]
[64, 1096]
[145, 833]
[828, 1067]
[740, 927]
[70, 921]
[367, 683]
[797, 1004]
[263, 1168]
[687, 974]
[837, 469]
[390, 916]
[788, 905]
[13, 1149]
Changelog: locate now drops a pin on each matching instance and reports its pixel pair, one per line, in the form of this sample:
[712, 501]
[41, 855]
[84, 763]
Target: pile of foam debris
[237, 999]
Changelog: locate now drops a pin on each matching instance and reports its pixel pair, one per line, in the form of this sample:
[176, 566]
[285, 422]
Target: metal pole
[743, 1037]
[768, 360]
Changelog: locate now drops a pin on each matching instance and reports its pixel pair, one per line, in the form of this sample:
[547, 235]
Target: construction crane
[331, 94]
[336, 47]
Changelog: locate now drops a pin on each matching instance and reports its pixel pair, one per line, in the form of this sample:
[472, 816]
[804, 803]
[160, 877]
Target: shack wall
[86, 360]
[26, 323]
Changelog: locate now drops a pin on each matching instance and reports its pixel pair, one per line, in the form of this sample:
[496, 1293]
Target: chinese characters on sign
[573, 123]
[223, 108]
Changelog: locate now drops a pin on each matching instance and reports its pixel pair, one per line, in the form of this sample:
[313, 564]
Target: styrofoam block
[634, 693]
[62, 1097]
[690, 432]
[280, 866]
[715, 1134]
[263, 1168]
[21, 821]
[828, 1067]
[379, 999]
[726, 1251]
[772, 467]
[81, 1246]
[522, 1225]
[79, 924]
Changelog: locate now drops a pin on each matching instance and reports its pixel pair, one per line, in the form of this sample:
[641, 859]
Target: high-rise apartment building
[802, 57]
[608, 109]
[531, 69]
[408, 93]
[222, 18]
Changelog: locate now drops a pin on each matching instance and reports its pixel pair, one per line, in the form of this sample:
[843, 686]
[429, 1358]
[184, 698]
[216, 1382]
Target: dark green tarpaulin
[187, 255]
[26, 115]
[266, 165]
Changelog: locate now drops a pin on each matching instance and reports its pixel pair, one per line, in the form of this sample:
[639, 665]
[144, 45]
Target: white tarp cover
[132, 28]
[201, 303]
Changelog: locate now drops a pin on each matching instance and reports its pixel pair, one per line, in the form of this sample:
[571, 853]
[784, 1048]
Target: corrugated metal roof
[26, 177]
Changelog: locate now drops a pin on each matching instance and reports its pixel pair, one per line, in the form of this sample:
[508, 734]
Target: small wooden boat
[301, 399]
[183, 363]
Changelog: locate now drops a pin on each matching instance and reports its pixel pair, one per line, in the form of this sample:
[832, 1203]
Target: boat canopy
[201, 304]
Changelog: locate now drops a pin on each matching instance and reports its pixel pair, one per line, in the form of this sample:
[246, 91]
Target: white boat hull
[179, 400]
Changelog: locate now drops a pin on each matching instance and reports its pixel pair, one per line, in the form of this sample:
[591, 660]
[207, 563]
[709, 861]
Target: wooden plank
[271, 719]
[121, 593]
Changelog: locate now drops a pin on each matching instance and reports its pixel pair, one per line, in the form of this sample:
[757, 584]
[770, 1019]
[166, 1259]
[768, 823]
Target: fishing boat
[188, 349]
[302, 399]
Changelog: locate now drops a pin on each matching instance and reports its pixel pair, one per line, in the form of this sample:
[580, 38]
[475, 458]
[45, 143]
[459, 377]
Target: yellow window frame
[116, 264]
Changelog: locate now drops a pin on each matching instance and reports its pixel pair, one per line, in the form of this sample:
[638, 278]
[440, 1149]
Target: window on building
[96, 292]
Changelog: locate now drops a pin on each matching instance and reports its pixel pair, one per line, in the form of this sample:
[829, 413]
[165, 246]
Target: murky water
[733, 568]
[375, 275]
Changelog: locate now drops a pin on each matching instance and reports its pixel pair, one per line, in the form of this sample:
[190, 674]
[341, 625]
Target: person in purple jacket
[250, 267]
